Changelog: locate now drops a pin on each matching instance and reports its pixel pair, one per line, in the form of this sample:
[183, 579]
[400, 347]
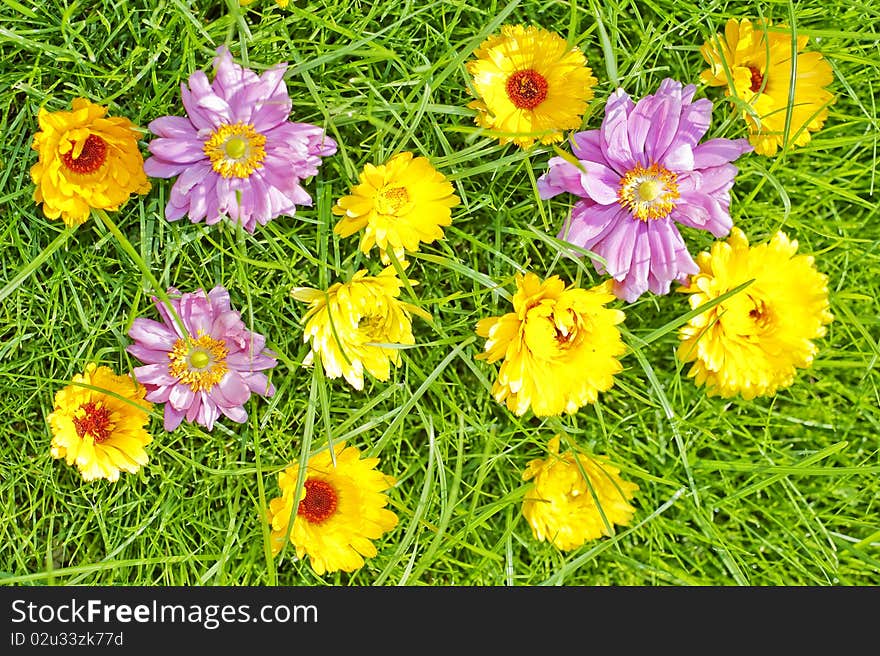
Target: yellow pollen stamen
[389, 200]
[649, 193]
[200, 364]
[236, 150]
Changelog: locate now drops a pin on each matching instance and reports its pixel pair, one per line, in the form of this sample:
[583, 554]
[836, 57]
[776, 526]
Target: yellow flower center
[236, 150]
[319, 503]
[87, 157]
[201, 364]
[526, 89]
[93, 418]
[371, 326]
[390, 199]
[649, 193]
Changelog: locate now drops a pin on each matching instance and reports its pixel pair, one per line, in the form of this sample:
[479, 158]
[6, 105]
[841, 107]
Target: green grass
[775, 491]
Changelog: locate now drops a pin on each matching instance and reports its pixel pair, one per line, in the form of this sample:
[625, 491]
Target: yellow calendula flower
[531, 85]
[358, 326]
[559, 346]
[753, 343]
[341, 510]
[754, 62]
[398, 205]
[86, 160]
[100, 428]
[574, 498]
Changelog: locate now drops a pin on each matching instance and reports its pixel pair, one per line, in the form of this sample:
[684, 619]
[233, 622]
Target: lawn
[780, 489]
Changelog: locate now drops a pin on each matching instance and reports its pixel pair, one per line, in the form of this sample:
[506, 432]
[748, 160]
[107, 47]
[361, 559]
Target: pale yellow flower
[559, 347]
[575, 498]
[358, 326]
[754, 342]
[341, 510]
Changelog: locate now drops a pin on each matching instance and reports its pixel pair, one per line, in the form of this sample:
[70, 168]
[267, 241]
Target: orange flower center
[649, 193]
[526, 89]
[93, 418]
[319, 503]
[757, 79]
[91, 157]
[389, 200]
[200, 364]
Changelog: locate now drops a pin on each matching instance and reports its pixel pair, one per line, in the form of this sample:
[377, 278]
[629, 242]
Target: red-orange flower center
[757, 79]
[94, 421]
[526, 89]
[319, 503]
[92, 156]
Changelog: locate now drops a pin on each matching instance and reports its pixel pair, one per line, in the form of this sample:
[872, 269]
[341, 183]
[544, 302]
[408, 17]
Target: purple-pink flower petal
[218, 368]
[214, 183]
[641, 173]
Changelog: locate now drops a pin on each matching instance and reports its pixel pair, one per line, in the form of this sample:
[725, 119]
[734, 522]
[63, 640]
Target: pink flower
[212, 369]
[235, 154]
[638, 176]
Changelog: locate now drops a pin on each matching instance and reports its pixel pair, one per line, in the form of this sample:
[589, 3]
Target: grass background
[775, 491]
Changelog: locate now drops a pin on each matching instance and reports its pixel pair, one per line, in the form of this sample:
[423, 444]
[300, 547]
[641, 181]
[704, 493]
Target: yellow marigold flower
[755, 64]
[100, 428]
[575, 498]
[753, 342]
[531, 85]
[341, 510]
[86, 160]
[398, 205]
[358, 325]
[559, 346]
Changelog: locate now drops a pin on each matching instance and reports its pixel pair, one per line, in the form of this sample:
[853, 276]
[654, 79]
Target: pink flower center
[527, 89]
[93, 418]
[649, 193]
[319, 503]
[91, 157]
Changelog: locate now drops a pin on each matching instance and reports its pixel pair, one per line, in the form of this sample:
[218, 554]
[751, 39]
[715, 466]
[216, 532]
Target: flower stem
[130, 250]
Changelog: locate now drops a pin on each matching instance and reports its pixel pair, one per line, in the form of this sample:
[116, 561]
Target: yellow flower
[398, 205]
[575, 498]
[101, 430]
[358, 325]
[86, 160]
[559, 346]
[755, 64]
[531, 85]
[753, 342]
[341, 510]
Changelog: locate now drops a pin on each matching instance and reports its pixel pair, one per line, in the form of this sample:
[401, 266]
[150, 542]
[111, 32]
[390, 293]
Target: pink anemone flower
[638, 176]
[210, 369]
[235, 154]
